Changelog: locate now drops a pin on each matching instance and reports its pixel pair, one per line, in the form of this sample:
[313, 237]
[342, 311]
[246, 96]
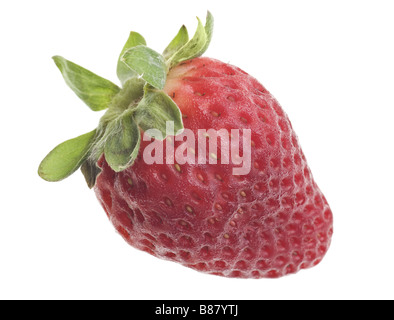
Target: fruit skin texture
[267, 224]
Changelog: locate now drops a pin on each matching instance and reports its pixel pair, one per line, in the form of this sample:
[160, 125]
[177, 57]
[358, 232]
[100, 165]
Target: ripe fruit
[268, 222]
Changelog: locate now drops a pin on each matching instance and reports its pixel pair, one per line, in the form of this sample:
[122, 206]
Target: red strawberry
[270, 222]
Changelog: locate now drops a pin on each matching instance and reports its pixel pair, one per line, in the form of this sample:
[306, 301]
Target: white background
[330, 65]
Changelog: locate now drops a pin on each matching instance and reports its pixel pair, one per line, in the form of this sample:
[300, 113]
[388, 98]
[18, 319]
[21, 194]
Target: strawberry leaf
[123, 142]
[123, 71]
[92, 89]
[209, 24]
[197, 46]
[155, 110]
[140, 104]
[90, 171]
[178, 42]
[133, 90]
[66, 158]
[149, 65]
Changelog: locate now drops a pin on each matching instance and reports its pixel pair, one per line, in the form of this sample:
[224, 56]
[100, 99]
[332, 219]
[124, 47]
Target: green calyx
[139, 105]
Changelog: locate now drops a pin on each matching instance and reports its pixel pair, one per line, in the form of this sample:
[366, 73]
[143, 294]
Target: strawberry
[266, 222]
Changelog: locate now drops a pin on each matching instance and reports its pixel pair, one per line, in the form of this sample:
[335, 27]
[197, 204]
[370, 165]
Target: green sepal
[92, 89]
[149, 65]
[66, 158]
[195, 47]
[178, 42]
[209, 25]
[132, 91]
[123, 142]
[155, 110]
[90, 171]
[139, 105]
[123, 71]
